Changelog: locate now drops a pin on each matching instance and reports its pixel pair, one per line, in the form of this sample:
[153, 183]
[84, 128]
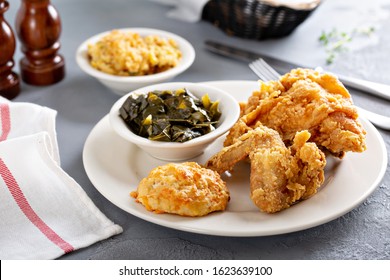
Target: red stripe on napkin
[5, 121]
[23, 204]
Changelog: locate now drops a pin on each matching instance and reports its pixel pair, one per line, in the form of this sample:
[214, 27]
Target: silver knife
[282, 66]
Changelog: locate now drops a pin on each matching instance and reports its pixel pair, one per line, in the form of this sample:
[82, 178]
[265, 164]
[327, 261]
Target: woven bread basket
[257, 19]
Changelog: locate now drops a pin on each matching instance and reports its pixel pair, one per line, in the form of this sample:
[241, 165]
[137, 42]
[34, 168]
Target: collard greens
[173, 116]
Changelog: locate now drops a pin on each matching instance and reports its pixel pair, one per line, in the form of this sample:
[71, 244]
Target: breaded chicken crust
[305, 99]
[186, 189]
[280, 176]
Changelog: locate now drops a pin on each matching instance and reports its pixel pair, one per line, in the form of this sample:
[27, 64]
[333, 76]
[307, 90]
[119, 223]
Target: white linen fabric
[26, 119]
[185, 10]
[44, 213]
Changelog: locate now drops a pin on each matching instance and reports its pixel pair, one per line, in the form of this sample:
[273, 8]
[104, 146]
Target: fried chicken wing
[280, 176]
[306, 100]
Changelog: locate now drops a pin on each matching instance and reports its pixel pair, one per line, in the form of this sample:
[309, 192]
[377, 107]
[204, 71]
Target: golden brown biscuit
[186, 189]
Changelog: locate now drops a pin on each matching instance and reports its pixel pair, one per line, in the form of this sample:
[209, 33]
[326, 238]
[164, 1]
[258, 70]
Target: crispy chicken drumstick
[280, 176]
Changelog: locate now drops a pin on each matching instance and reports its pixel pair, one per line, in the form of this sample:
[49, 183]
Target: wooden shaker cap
[9, 81]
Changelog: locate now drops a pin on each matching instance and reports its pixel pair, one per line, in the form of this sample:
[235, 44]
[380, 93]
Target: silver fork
[266, 73]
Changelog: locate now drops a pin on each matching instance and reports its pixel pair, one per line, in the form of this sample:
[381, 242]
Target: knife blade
[377, 89]
[248, 56]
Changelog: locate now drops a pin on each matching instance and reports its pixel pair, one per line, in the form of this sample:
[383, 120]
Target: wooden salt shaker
[9, 81]
[38, 26]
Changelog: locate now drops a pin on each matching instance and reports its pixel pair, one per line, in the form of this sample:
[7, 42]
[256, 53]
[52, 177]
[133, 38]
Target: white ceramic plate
[115, 168]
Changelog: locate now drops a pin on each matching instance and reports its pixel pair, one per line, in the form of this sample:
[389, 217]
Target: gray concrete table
[363, 233]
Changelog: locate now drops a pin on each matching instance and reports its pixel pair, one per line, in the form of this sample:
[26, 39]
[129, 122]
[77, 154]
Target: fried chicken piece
[280, 176]
[306, 100]
[186, 189]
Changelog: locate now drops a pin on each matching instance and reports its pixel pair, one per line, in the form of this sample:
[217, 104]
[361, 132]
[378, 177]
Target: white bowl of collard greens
[174, 121]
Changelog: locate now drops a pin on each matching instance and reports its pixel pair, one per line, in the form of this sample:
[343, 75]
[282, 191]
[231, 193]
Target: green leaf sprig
[336, 42]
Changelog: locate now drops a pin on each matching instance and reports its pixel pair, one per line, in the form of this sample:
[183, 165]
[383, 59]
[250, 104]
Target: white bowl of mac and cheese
[129, 58]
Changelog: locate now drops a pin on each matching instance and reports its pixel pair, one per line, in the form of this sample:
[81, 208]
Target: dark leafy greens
[171, 116]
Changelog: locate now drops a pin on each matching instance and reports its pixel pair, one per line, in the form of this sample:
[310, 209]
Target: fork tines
[264, 70]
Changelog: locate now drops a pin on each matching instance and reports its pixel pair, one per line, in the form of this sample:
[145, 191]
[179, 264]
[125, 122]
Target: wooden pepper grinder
[9, 81]
[38, 26]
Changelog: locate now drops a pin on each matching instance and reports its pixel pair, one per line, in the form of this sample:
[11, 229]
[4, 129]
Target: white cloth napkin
[185, 10]
[44, 213]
